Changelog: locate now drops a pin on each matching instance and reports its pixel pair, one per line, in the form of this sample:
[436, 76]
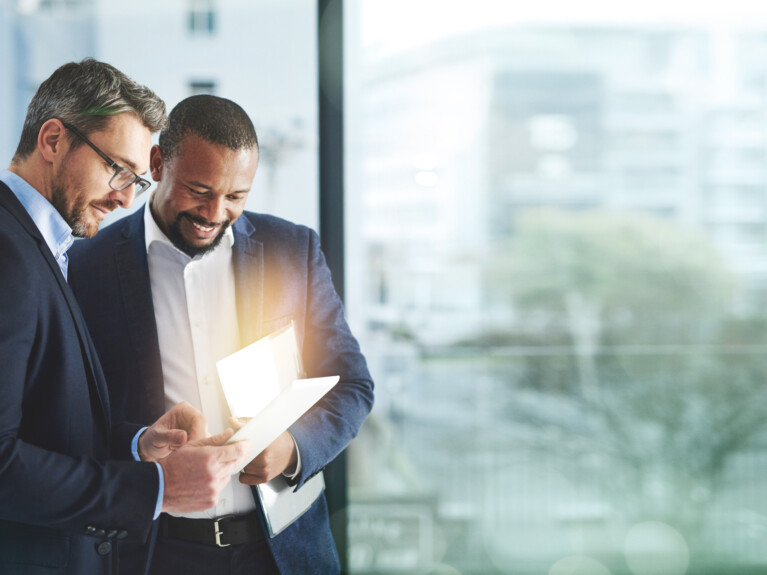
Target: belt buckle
[218, 533]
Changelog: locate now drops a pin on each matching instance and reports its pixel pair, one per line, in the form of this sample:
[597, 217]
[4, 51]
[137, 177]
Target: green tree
[659, 390]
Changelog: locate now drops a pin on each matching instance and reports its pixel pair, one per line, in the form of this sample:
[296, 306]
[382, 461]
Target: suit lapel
[97, 384]
[249, 280]
[136, 290]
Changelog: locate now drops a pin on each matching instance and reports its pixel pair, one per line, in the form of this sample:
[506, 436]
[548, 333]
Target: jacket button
[104, 548]
[112, 533]
[122, 534]
[99, 533]
[90, 530]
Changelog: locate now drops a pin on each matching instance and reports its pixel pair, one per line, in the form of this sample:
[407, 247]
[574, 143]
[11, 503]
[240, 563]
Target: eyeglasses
[123, 177]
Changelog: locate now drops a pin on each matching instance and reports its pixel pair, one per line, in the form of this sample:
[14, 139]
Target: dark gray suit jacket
[62, 503]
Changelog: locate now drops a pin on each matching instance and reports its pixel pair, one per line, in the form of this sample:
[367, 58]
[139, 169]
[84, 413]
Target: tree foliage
[661, 385]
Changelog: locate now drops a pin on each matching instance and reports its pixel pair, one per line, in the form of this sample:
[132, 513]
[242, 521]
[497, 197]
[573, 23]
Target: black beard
[177, 239]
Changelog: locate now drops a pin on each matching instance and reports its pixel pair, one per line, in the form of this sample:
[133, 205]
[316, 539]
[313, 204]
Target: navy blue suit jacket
[280, 275]
[61, 501]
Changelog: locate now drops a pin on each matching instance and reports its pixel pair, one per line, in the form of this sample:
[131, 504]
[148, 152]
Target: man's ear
[156, 163]
[52, 141]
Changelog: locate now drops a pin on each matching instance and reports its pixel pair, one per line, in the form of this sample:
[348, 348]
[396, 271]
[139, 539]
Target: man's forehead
[194, 144]
[126, 140]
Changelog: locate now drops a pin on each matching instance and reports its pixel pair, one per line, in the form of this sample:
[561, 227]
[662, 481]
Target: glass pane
[272, 75]
[557, 265]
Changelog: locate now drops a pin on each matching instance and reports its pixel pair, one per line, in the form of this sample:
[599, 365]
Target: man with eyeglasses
[73, 482]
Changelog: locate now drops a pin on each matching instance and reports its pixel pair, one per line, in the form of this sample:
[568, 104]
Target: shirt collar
[54, 229]
[153, 233]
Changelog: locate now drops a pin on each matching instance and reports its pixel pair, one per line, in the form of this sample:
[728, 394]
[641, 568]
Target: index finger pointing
[192, 420]
[237, 453]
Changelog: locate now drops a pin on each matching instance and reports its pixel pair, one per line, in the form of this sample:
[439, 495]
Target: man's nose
[124, 198]
[214, 209]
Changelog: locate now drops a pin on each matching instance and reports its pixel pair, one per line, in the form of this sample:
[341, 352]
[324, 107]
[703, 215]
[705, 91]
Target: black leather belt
[224, 531]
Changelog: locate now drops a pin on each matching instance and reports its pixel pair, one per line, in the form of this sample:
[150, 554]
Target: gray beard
[73, 215]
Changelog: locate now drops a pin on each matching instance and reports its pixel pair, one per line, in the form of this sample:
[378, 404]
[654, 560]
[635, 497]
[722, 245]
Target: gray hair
[86, 94]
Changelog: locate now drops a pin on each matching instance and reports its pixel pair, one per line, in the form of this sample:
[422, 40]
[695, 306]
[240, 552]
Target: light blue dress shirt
[161, 492]
[58, 236]
[54, 229]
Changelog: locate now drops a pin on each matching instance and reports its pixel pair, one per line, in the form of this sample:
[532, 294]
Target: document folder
[282, 505]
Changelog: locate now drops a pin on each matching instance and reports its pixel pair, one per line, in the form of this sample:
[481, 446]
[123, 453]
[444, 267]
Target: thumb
[238, 422]
[175, 438]
[170, 438]
[218, 439]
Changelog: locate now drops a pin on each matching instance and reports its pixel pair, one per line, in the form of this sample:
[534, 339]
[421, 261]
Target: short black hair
[212, 118]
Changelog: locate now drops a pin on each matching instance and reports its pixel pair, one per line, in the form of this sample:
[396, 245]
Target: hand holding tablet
[291, 403]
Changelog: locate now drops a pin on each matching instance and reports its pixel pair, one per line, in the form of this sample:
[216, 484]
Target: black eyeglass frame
[141, 184]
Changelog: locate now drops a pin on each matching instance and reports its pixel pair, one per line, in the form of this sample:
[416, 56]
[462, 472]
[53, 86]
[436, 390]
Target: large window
[263, 56]
[557, 263]
[556, 259]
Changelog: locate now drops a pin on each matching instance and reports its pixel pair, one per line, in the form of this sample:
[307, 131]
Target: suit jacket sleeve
[65, 488]
[329, 348]
[122, 437]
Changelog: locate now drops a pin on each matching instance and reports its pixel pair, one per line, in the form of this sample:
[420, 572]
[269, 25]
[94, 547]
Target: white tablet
[282, 412]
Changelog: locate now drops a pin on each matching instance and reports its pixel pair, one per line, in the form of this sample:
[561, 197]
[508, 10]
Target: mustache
[108, 205]
[202, 221]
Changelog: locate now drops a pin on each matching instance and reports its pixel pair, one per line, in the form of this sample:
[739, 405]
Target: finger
[172, 438]
[235, 454]
[253, 467]
[249, 479]
[238, 422]
[219, 439]
[229, 458]
[192, 420]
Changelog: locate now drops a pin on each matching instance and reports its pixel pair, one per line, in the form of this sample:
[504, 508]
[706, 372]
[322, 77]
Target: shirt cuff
[298, 461]
[160, 473]
[134, 444]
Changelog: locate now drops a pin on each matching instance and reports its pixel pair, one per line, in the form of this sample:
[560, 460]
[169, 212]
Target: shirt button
[104, 548]
[222, 502]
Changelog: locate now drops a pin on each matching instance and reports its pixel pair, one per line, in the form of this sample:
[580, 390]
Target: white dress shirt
[196, 315]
